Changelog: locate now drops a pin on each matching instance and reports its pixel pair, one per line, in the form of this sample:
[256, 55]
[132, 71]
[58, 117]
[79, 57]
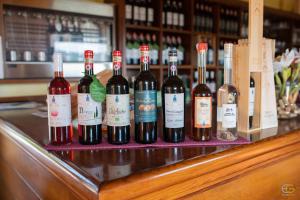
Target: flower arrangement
[287, 80]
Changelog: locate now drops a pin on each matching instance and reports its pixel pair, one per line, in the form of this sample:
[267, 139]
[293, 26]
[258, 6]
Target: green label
[97, 90]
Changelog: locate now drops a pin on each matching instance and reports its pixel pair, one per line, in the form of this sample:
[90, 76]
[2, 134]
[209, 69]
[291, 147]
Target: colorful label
[88, 63]
[203, 110]
[174, 110]
[89, 111]
[251, 101]
[117, 110]
[59, 110]
[229, 116]
[145, 106]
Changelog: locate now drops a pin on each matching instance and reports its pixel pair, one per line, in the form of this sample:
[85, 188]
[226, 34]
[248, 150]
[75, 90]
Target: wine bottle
[59, 105]
[173, 102]
[89, 111]
[145, 101]
[117, 104]
[251, 101]
[202, 100]
[128, 11]
[227, 101]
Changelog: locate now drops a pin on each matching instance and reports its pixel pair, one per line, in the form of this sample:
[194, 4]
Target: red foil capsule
[117, 59]
[144, 53]
[201, 46]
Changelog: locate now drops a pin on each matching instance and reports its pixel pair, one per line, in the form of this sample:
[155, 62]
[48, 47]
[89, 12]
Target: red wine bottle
[173, 103]
[202, 100]
[89, 111]
[117, 104]
[59, 105]
[145, 101]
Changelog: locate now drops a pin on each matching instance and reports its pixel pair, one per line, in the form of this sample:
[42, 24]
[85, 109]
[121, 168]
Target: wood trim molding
[76, 180]
[202, 173]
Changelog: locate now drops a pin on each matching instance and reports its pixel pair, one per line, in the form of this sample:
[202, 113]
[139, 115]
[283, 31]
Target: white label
[136, 12]
[89, 111]
[210, 56]
[213, 87]
[135, 53]
[142, 14]
[59, 110]
[150, 15]
[154, 54]
[174, 110]
[229, 115]
[169, 18]
[117, 110]
[181, 20]
[175, 19]
[128, 12]
[203, 110]
[251, 101]
[221, 55]
[128, 54]
[180, 55]
[172, 58]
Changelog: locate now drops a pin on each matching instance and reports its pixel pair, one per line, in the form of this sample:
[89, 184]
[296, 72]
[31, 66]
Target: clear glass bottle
[227, 110]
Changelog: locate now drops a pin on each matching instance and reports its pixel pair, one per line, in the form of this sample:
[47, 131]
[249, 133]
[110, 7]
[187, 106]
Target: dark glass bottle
[145, 97]
[251, 101]
[89, 111]
[173, 103]
[59, 105]
[117, 104]
[202, 100]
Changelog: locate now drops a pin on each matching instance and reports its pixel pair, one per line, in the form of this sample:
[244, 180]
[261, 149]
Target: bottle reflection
[174, 155]
[88, 160]
[119, 164]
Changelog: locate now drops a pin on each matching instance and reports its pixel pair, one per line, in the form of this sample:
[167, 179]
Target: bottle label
[128, 54]
[136, 12]
[213, 86]
[229, 116]
[150, 15]
[89, 111]
[169, 18]
[251, 101]
[154, 54]
[175, 19]
[174, 110]
[128, 11]
[210, 56]
[117, 110]
[181, 20]
[145, 106]
[142, 14]
[135, 53]
[203, 112]
[59, 110]
[180, 55]
[117, 62]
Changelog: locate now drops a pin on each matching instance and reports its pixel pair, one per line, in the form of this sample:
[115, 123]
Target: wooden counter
[268, 168]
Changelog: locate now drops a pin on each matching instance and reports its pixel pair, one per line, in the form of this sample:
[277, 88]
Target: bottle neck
[227, 70]
[58, 74]
[202, 67]
[89, 67]
[172, 69]
[144, 60]
[117, 65]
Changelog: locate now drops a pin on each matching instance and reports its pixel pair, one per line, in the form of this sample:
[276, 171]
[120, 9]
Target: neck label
[117, 60]
[144, 56]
